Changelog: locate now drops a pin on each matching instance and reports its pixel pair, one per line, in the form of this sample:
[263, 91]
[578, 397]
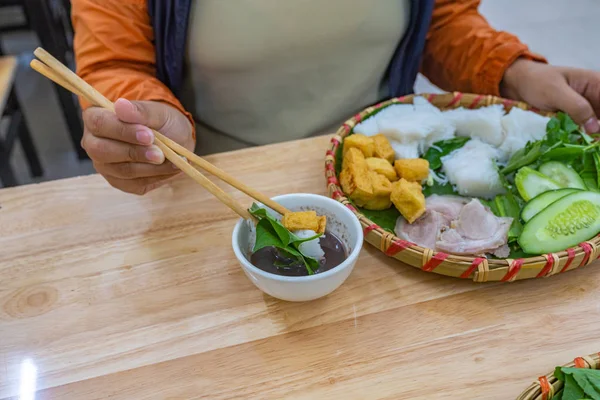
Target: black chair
[17, 127]
[50, 20]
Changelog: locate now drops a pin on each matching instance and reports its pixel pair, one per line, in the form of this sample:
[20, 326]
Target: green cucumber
[562, 174]
[531, 183]
[563, 224]
[539, 202]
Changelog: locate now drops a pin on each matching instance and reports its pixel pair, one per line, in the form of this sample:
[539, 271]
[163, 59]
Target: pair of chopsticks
[54, 70]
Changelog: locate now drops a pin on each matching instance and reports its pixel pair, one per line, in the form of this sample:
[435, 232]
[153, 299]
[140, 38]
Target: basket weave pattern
[477, 268]
[547, 386]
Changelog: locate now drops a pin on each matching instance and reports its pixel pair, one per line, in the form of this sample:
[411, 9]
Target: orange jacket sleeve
[114, 51]
[464, 53]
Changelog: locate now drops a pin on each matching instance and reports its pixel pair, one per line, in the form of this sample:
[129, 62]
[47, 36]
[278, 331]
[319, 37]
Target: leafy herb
[552, 147]
[579, 383]
[508, 205]
[270, 232]
[436, 188]
[442, 148]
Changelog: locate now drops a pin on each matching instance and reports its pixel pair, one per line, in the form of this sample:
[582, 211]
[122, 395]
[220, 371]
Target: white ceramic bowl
[340, 221]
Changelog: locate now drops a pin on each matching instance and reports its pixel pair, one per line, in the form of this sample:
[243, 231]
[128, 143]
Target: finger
[104, 123]
[577, 106]
[149, 113]
[139, 186]
[132, 170]
[110, 151]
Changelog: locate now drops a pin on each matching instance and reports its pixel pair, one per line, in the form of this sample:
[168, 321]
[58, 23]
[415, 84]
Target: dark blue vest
[170, 22]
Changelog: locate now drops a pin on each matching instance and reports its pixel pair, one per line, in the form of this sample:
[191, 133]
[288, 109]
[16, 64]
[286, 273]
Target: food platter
[478, 268]
[548, 387]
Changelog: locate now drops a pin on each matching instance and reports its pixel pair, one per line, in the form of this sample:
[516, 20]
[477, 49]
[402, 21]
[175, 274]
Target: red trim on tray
[370, 228]
[545, 386]
[579, 362]
[513, 270]
[351, 207]
[473, 267]
[587, 249]
[570, 258]
[402, 98]
[435, 261]
[335, 141]
[548, 267]
[329, 153]
[508, 103]
[476, 101]
[347, 128]
[431, 97]
[455, 100]
[397, 246]
[336, 193]
[332, 180]
[357, 117]
[329, 166]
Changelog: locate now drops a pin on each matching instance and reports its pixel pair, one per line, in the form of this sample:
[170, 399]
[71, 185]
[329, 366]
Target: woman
[229, 74]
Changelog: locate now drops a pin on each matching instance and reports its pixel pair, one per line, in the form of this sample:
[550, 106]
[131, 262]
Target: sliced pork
[459, 226]
[477, 231]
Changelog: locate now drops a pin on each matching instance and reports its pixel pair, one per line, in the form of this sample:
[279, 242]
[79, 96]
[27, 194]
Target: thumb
[148, 113]
[577, 106]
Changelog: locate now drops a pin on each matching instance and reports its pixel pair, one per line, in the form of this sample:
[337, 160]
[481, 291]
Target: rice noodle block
[472, 170]
[483, 123]
[520, 127]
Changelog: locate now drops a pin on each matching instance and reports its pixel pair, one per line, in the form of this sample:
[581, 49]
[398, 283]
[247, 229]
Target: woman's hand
[120, 143]
[574, 91]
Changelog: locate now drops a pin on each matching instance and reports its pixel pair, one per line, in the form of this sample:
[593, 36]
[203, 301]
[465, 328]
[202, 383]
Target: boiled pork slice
[477, 231]
[441, 211]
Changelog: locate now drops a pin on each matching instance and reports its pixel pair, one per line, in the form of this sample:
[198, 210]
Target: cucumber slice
[531, 183]
[562, 174]
[563, 224]
[538, 203]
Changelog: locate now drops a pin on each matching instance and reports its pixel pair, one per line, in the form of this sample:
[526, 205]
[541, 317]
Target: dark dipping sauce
[268, 257]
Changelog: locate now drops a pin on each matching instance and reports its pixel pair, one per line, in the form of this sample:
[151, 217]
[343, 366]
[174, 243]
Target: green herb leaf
[507, 205]
[442, 148]
[266, 236]
[524, 157]
[439, 189]
[579, 383]
[563, 154]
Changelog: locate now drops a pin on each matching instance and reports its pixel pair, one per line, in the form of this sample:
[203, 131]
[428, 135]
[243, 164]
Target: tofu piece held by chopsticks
[304, 220]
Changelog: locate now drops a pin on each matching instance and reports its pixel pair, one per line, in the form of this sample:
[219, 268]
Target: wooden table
[104, 294]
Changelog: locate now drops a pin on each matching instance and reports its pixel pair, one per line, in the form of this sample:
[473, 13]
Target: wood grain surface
[109, 295]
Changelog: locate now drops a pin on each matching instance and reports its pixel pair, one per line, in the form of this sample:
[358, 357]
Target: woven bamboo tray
[477, 268]
[546, 386]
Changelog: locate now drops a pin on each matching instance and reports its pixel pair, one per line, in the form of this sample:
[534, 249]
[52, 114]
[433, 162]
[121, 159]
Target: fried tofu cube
[382, 167]
[382, 190]
[354, 156]
[355, 179]
[300, 220]
[413, 169]
[322, 224]
[409, 199]
[383, 148]
[358, 141]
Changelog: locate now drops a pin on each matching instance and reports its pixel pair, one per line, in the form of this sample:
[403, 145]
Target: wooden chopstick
[191, 156]
[69, 80]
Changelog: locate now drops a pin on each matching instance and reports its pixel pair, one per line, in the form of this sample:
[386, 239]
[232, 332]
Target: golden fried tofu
[382, 167]
[409, 199]
[382, 190]
[322, 224]
[364, 143]
[355, 157]
[413, 169]
[299, 220]
[355, 179]
[383, 148]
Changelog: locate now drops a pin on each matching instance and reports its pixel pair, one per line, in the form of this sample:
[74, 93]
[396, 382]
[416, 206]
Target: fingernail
[155, 155]
[592, 125]
[144, 136]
